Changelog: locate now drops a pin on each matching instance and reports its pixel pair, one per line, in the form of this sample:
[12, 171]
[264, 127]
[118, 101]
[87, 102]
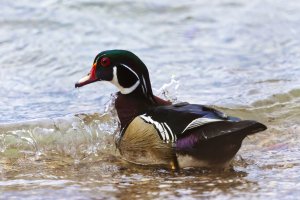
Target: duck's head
[123, 69]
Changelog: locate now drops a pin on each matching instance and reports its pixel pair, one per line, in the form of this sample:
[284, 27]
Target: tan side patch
[141, 144]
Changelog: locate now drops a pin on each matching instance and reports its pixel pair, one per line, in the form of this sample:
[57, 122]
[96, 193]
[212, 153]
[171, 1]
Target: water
[57, 142]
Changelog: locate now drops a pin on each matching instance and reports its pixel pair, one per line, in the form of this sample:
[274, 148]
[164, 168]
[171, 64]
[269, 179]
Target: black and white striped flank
[163, 129]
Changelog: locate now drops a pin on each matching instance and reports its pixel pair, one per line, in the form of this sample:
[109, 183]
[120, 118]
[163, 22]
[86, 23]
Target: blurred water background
[56, 142]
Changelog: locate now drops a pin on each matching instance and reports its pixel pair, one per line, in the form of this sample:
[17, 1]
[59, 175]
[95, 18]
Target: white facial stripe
[144, 85]
[123, 90]
[130, 70]
[143, 89]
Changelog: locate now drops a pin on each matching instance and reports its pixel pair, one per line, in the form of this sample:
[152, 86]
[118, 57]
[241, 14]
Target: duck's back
[177, 121]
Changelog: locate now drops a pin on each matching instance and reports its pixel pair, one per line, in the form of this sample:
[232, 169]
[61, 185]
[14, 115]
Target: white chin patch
[122, 89]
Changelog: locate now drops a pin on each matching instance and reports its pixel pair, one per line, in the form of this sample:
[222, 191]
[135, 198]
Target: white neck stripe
[123, 90]
[130, 70]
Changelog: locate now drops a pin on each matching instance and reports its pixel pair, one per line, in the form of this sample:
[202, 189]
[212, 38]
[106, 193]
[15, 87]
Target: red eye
[105, 62]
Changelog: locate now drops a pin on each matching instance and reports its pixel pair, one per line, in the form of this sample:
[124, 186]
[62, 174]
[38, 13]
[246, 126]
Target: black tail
[217, 142]
[222, 128]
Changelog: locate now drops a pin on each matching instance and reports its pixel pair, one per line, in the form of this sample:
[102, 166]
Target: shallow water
[58, 143]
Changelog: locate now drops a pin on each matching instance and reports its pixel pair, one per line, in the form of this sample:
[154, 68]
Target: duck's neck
[129, 106]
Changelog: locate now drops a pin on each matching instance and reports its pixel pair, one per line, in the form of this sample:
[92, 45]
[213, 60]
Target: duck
[156, 132]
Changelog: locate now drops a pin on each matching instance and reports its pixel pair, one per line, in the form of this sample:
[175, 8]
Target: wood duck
[155, 131]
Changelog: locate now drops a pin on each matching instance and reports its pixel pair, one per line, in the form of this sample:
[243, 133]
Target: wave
[75, 136]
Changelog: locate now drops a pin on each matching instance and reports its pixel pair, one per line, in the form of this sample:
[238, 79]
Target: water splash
[77, 137]
[169, 91]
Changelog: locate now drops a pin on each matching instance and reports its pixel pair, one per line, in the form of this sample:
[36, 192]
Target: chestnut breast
[130, 106]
